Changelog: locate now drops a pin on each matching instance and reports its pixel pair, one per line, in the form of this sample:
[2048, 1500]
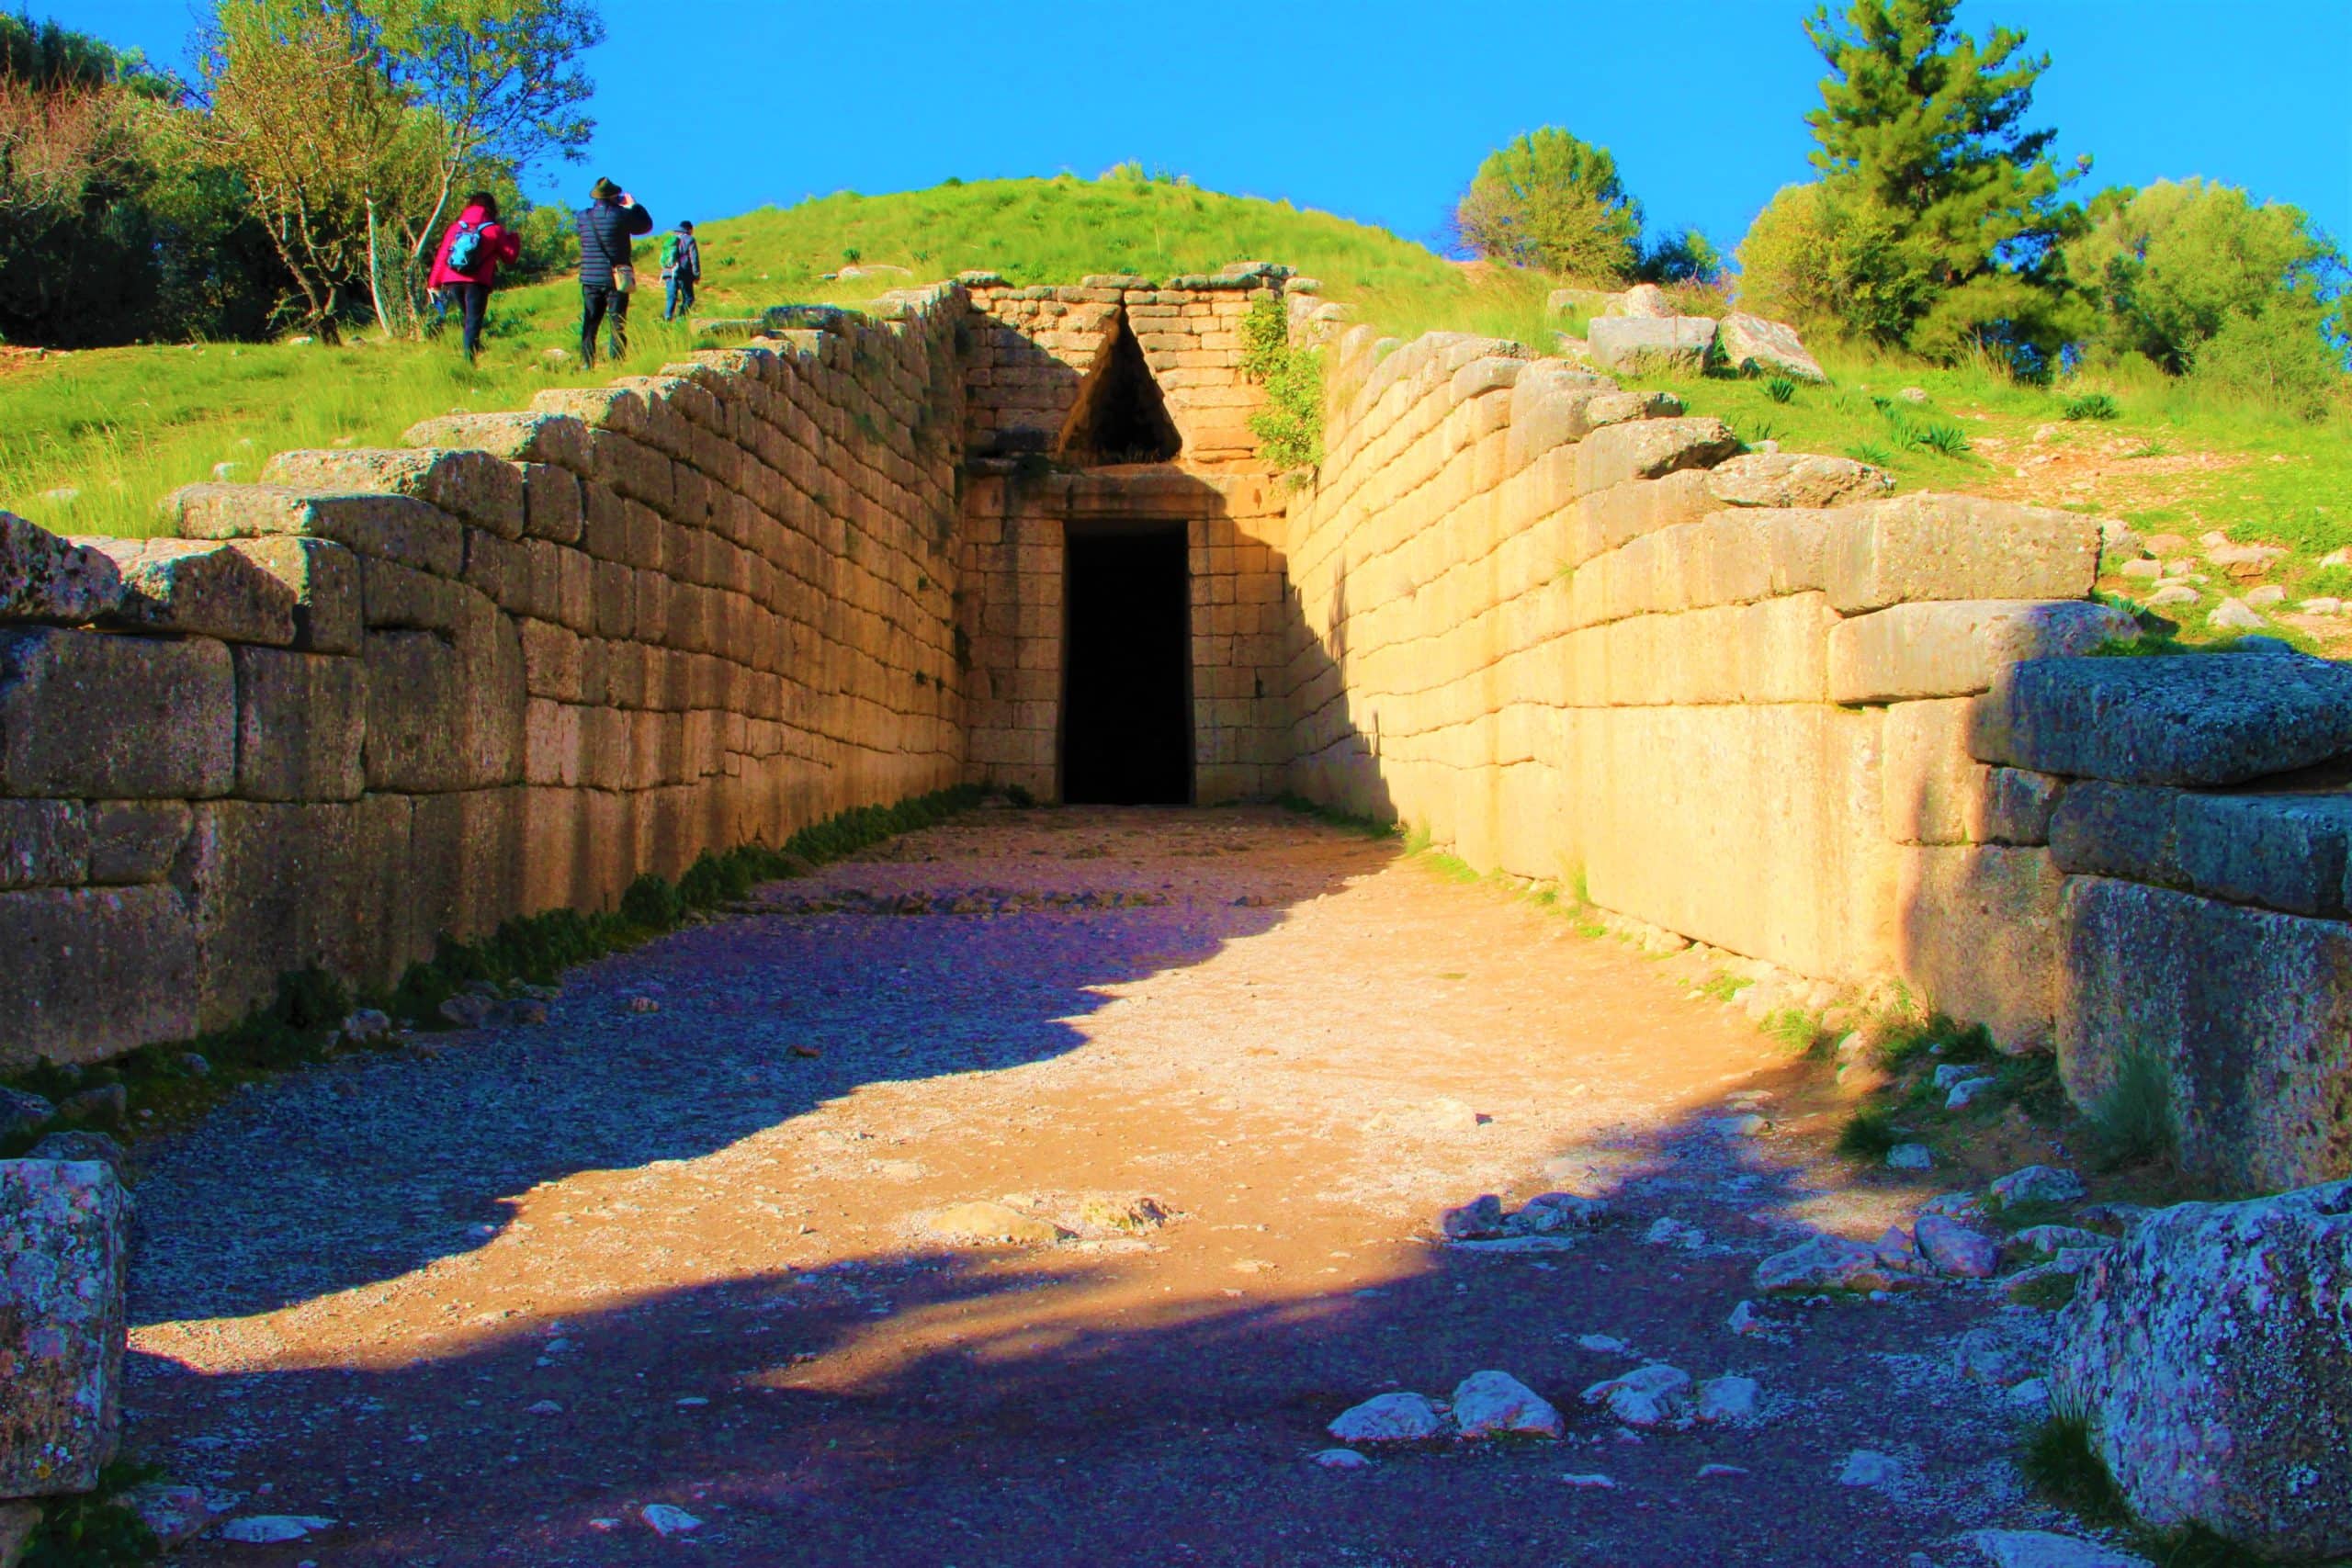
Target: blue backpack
[466, 249]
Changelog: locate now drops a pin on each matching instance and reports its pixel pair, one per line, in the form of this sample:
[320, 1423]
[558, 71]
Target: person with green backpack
[465, 267]
[681, 269]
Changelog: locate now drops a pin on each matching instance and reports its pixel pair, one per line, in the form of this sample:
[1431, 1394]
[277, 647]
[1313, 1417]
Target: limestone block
[1958, 546]
[2111, 830]
[1951, 648]
[535, 436]
[92, 716]
[301, 722]
[445, 712]
[45, 578]
[2215, 720]
[2282, 851]
[553, 661]
[388, 527]
[135, 841]
[1649, 450]
[1979, 937]
[1753, 343]
[466, 860]
[475, 486]
[552, 508]
[322, 580]
[204, 588]
[2247, 1012]
[271, 888]
[1934, 792]
[43, 843]
[1796, 479]
[65, 1230]
[2017, 807]
[93, 972]
[1628, 343]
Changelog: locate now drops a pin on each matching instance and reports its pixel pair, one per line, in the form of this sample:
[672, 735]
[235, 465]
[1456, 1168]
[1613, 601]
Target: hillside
[122, 427]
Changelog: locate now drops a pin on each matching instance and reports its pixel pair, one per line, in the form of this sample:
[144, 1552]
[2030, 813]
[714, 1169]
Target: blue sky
[1379, 110]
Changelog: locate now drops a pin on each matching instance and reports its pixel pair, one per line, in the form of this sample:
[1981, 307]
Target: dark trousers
[681, 296]
[471, 301]
[603, 305]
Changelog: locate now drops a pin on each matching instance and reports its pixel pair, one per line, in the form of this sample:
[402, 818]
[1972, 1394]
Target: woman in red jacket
[467, 264]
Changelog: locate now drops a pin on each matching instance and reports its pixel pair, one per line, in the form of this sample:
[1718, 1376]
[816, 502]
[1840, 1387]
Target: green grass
[1869, 1135]
[2048, 1293]
[2058, 1460]
[2134, 1117]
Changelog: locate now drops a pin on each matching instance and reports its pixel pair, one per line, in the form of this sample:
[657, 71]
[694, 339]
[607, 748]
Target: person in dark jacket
[606, 274]
[681, 270]
[465, 268]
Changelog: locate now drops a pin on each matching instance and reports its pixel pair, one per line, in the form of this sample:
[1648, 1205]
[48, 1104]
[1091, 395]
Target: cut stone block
[1649, 450]
[1978, 930]
[1953, 647]
[2111, 830]
[481, 489]
[323, 579]
[201, 587]
[2283, 853]
[271, 888]
[1796, 479]
[135, 841]
[1958, 546]
[93, 972]
[2245, 1010]
[1625, 343]
[300, 721]
[2199, 719]
[388, 527]
[527, 437]
[65, 1234]
[43, 578]
[87, 714]
[1753, 343]
[43, 843]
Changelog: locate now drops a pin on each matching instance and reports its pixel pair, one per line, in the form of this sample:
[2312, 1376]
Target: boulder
[2207, 1352]
[2195, 720]
[1646, 1396]
[1591, 301]
[1620, 343]
[1796, 479]
[1953, 1249]
[44, 578]
[2041, 1549]
[1389, 1419]
[1497, 1405]
[1832, 1263]
[1645, 301]
[1728, 1399]
[1752, 343]
[65, 1234]
[524, 438]
[991, 1223]
[2037, 1184]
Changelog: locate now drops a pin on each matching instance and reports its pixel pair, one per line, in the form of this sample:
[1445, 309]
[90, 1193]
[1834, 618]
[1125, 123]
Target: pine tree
[1928, 127]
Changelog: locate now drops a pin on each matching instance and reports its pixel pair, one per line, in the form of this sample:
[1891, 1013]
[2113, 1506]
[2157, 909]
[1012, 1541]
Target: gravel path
[487, 1302]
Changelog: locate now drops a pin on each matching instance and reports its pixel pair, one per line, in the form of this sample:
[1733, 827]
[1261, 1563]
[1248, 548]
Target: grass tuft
[1868, 1135]
[2096, 406]
[2134, 1117]
[2048, 1293]
[2060, 1461]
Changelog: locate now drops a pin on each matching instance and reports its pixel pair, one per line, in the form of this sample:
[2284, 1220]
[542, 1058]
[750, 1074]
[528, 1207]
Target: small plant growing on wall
[1290, 427]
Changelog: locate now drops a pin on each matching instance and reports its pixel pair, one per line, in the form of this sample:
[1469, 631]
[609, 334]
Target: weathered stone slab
[323, 578]
[533, 436]
[1771, 347]
[1953, 647]
[87, 714]
[551, 504]
[473, 486]
[93, 972]
[2198, 720]
[65, 1238]
[2207, 1353]
[2246, 1010]
[201, 587]
[43, 843]
[271, 888]
[1625, 343]
[300, 721]
[1649, 450]
[43, 578]
[1978, 928]
[2282, 851]
[135, 841]
[388, 527]
[1796, 479]
[2111, 830]
[1958, 546]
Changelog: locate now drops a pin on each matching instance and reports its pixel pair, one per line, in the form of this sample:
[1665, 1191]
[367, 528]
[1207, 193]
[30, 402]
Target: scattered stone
[264, 1529]
[2143, 569]
[1950, 1073]
[1593, 1481]
[1953, 1249]
[1745, 1126]
[1496, 1404]
[2048, 1241]
[2032, 1393]
[465, 1010]
[2037, 1184]
[987, 1222]
[1729, 1399]
[1480, 1218]
[23, 1112]
[2235, 614]
[667, 1519]
[82, 1144]
[1646, 1396]
[1868, 1467]
[1772, 347]
[195, 1064]
[2262, 598]
[2004, 1350]
[1968, 1208]
[1668, 1231]
[1132, 1215]
[805, 1052]
[1967, 1089]
[1746, 1320]
[106, 1105]
[1712, 1472]
[523, 1012]
[177, 1514]
[2207, 1353]
[1339, 1459]
[1645, 300]
[65, 1235]
[1547, 1212]
[1389, 1419]
[1603, 1345]
[643, 1004]
[1910, 1156]
[1831, 1263]
[544, 1407]
[2040, 1549]
[367, 1027]
[2173, 593]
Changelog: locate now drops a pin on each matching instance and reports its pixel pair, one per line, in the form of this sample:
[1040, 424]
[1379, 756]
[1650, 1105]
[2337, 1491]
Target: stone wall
[385, 695]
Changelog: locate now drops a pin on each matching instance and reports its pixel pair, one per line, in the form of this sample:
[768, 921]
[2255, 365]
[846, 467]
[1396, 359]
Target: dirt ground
[485, 1300]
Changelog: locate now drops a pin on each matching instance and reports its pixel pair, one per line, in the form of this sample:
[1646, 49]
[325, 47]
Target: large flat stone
[1932, 545]
[2201, 719]
[272, 888]
[99, 717]
[44, 578]
[1796, 479]
[302, 718]
[387, 527]
[93, 972]
[2111, 830]
[202, 587]
[1756, 343]
[2248, 1012]
[1953, 647]
[1625, 343]
[2282, 851]
[484, 491]
[525, 437]
[65, 1242]
[1978, 935]
[1650, 449]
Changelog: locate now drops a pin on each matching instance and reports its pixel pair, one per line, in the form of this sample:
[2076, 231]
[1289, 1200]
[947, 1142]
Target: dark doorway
[1126, 663]
[1120, 416]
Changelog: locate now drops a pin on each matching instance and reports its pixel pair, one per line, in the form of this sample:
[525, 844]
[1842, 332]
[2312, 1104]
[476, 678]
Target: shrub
[2092, 406]
[1945, 440]
[2134, 1116]
[1290, 427]
[1548, 200]
[2060, 1461]
[1780, 388]
[1868, 1135]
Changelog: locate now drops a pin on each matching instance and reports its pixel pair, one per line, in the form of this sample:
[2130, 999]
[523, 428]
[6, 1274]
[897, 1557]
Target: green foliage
[1868, 1135]
[1290, 427]
[2134, 1116]
[650, 901]
[1946, 440]
[1780, 389]
[1547, 199]
[2047, 1294]
[1721, 988]
[1794, 1029]
[1685, 257]
[1371, 828]
[92, 1529]
[2092, 406]
[2059, 1459]
[1941, 207]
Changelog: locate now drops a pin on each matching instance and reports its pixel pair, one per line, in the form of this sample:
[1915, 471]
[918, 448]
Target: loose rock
[1480, 1218]
[1492, 1405]
[1953, 1249]
[175, 1514]
[2037, 1184]
[2040, 1549]
[1339, 1459]
[264, 1529]
[1909, 1157]
[1728, 1399]
[1646, 1396]
[1868, 1467]
[667, 1519]
[1829, 1263]
[65, 1238]
[1389, 1419]
[990, 1223]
